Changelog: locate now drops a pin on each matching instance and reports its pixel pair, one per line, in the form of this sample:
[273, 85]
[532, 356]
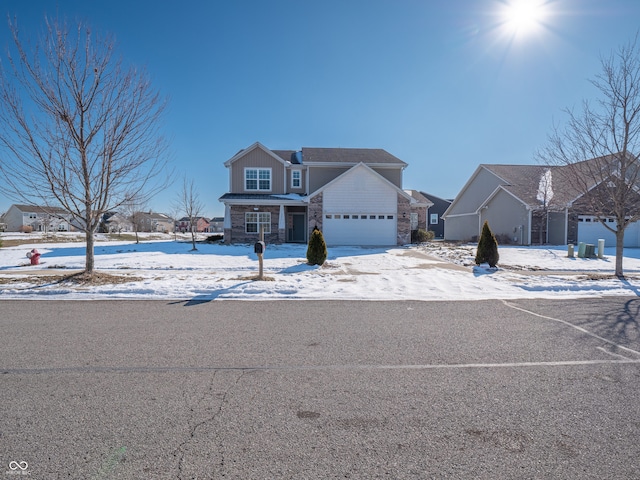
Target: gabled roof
[419, 198]
[524, 183]
[257, 145]
[40, 209]
[364, 167]
[435, 198]
[288, 155]
[350, 156]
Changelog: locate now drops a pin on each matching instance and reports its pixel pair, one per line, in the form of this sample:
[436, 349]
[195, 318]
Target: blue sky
[442, 84]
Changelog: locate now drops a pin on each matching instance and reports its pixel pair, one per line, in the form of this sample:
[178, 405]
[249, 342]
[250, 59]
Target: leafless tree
[134, 211]
[599, 147]
[189, 202]
[174, 215]
[544, 196]
[78, 128]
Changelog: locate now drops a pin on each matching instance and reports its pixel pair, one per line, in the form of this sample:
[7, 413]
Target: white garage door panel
[359, 231]
[591, 232]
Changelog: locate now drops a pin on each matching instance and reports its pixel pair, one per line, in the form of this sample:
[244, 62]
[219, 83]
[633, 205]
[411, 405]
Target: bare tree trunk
[619, 252]
[89, 257]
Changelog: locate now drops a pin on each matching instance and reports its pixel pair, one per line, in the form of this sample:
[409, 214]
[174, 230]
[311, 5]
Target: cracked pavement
[321, 389]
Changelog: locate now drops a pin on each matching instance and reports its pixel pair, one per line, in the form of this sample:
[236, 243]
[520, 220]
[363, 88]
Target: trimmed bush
[421, 235]
[26, 229]
[317, 249]
[487, 247]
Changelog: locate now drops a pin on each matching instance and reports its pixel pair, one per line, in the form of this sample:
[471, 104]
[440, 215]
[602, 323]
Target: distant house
[216, 225]
[527, 204]
[21, 218]
[435, 222]
[155, 222]
[353, 195]
[184, 225]
[419, 213]
[113, 222]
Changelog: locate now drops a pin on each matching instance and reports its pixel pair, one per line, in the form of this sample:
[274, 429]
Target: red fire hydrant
[34, 256]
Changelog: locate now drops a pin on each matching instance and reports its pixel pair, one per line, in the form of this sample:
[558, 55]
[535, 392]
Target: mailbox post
[259, 249]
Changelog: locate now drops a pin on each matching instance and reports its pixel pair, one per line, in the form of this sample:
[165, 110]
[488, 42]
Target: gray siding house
[37, 219]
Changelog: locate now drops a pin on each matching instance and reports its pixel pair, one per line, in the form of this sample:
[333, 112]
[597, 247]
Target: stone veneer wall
[404, 220]
[315, 213]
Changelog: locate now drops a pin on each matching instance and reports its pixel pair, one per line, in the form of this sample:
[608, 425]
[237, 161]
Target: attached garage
[359, 229]
[590, 230]
[360, 207]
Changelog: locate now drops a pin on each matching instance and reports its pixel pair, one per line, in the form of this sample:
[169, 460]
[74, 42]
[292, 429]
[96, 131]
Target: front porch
[280, 223]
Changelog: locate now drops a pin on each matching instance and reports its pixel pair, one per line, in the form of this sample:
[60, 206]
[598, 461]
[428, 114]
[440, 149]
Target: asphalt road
[320, 389]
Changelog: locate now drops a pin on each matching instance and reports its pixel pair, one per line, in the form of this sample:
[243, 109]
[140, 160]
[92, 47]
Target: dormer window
[257, 179]
[296, 178]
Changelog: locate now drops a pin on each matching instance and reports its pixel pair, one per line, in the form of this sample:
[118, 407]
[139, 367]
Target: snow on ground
[168, 269]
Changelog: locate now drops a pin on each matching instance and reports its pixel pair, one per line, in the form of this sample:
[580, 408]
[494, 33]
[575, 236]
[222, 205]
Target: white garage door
[359, 229]
[590, 230]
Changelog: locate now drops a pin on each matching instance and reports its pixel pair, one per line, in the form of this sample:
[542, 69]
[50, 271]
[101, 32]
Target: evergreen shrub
[317, 248]
[487, 247]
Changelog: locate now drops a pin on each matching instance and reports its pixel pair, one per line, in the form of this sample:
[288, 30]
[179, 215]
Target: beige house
[354, 196]
[527, 204]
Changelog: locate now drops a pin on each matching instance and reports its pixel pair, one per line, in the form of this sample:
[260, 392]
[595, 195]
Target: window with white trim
[296, 178]
[257, 179]
[254, 220]
[433, 219]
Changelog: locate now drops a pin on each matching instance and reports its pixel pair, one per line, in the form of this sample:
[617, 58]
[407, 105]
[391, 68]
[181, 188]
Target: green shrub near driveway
[317, 249]
[487, 247]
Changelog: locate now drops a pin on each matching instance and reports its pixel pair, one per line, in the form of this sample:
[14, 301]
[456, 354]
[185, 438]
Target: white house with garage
[354, 196]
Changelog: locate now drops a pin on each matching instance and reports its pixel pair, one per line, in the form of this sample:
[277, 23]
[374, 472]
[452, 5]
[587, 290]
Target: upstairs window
[257, 179]
[296, 179]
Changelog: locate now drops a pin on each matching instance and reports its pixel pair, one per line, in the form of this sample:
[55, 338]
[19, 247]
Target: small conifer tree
[317, 249]
[487, 247]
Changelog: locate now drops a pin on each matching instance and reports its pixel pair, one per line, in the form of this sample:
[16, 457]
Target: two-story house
[354, 196]
[184, 225]
[20, 218]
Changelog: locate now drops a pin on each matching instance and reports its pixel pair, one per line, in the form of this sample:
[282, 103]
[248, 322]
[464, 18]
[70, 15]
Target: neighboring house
[420, 211]
[113, 222]
[155, 222]
[527, 204]
[216, 225]
[184, 225]
[35, 218]
[354, 196]
[435, 222]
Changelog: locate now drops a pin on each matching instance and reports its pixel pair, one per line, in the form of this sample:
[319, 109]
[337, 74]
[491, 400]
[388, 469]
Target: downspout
[529, 227]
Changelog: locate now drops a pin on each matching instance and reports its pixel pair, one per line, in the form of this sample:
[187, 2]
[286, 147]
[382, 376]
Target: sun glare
[522, 17]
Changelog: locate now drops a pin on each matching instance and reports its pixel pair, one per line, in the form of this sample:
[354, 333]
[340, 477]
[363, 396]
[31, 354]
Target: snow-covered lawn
[167, 269]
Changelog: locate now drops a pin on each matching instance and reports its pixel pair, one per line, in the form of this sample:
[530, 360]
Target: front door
[296, 226]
